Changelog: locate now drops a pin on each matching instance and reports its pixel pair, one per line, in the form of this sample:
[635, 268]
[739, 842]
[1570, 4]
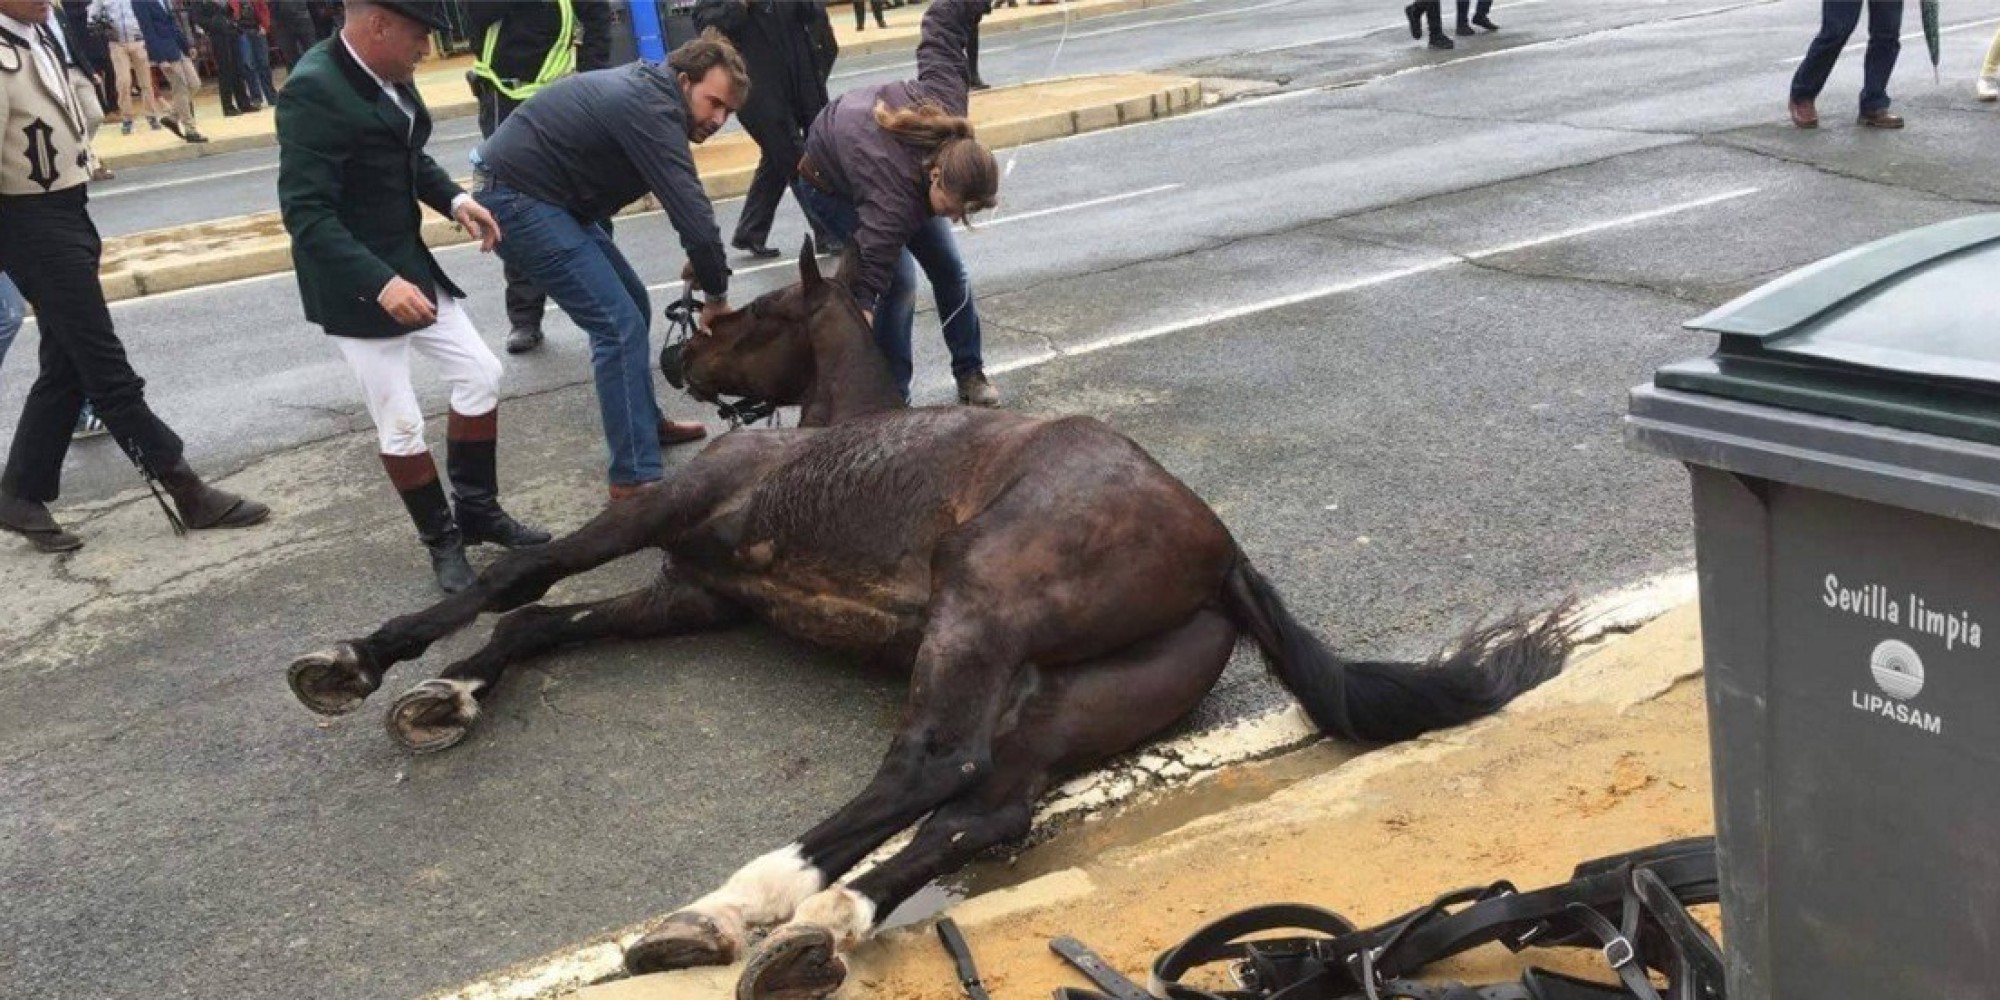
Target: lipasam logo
[1899, 672]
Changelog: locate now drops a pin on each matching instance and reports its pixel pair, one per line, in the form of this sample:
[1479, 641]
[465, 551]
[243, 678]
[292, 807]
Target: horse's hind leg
[1076, 717]
[335, 680]
[438, 713]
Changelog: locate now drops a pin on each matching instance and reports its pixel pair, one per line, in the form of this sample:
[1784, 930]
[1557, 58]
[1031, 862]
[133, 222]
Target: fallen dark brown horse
[1059, 599]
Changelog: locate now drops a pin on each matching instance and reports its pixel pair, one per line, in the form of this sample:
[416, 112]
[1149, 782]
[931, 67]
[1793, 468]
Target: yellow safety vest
[560, 61]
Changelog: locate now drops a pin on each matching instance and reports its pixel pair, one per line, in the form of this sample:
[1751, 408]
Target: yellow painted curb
[208, 253]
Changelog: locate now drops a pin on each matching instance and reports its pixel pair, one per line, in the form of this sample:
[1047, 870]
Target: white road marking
[989, 224]
[1355, 284]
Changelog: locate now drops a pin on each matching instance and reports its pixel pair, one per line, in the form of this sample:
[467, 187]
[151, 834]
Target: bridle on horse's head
[683, 318]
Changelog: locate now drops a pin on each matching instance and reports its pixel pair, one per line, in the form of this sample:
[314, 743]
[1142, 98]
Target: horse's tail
[1382, 702]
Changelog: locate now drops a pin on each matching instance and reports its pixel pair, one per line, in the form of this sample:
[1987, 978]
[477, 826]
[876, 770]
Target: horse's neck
[853, 380]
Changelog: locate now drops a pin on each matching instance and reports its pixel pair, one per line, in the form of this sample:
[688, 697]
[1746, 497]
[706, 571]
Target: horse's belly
[856, 623]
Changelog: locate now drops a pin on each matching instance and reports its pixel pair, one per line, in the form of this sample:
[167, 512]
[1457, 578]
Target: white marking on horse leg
[460, 691]
[847, 915]
[765, 891]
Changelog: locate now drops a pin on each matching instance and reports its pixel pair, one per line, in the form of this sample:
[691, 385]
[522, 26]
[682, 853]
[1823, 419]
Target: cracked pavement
[1423, 431]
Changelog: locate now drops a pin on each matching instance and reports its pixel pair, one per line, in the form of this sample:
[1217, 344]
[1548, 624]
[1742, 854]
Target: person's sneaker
[523, 339]
[170, 124]
[1988, 88]
[975, 390]
[102, 173]
[757, 251]
[87, 425]
[126, 129]
[1442, 42]
[1415, 12]
[1485, 22]
[193, 136]
[152, 123]
[1465, 29]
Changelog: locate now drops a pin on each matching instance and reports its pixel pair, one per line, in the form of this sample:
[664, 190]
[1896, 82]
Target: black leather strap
[961, 956]
[1097, 970]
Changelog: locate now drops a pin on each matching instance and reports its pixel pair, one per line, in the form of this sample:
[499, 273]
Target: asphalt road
[1383, 320]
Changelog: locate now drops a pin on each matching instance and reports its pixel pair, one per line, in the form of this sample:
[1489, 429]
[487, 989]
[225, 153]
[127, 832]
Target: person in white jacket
[129, 62]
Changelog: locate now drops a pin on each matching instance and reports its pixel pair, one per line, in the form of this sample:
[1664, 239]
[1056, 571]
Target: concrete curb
[466, 107]
[252, 246]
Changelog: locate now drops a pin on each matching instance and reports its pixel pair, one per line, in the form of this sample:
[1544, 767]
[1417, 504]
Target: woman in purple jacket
[888, 169]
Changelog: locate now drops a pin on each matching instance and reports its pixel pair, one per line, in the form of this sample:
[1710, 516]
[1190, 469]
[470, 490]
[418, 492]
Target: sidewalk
[1611, 756]
[165, 260]
[442, 81]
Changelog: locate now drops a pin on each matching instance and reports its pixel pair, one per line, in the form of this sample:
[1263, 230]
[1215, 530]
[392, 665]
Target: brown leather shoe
[1804, 115]
[1881, 119]
[622, 491]
[681, 431]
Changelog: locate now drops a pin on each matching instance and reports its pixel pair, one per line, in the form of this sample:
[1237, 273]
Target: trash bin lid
[1903, 332]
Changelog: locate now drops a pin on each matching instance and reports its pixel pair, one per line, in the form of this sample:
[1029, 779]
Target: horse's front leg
[964, 679]
[336, 680]
[438, 713]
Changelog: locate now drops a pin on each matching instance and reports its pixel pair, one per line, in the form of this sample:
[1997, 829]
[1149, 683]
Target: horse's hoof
[435, 715]
[797, 962]
[331, 681]
[685, 941]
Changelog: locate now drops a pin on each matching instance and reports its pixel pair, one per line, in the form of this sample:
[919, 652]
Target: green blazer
[351, 170]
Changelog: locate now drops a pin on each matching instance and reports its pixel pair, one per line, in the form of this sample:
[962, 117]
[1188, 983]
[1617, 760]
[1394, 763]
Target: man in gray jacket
[587, 146]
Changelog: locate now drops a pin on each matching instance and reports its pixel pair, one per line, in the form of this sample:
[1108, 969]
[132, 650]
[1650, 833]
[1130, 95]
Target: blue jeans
[256, 52]
[13, 313]
[932, 246]
[1837, 22]
[576, 263]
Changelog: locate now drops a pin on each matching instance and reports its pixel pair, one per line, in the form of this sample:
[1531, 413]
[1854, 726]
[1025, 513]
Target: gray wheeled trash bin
[1844, 446]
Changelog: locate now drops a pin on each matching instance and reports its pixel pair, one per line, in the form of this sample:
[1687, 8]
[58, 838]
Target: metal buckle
[1620, 952]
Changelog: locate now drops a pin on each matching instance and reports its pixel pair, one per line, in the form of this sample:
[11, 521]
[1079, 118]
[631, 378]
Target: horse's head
[801, 345]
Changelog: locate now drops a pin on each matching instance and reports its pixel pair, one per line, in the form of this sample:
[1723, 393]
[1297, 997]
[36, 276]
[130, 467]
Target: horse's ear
[809, 275]
[850, 266]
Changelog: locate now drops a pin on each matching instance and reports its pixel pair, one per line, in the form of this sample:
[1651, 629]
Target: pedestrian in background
[253, 26]
[292, 30]
[776, 39]
[520, 47]
[862, 8]
[214, 19]
[170, 52]
[13, 314]
[125, 41]
[1988, 86]
[1837, 21]
[1428, 14]
[1467, 17]
[584, 148]
[352, 173]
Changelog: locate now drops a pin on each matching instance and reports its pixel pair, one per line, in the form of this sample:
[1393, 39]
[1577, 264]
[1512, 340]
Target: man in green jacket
[351, 173]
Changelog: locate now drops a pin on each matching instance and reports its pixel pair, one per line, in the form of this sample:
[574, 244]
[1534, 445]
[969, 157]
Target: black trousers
[781, 142]
[229, 82]
[293, 35]
[525, 301]
[50, 248]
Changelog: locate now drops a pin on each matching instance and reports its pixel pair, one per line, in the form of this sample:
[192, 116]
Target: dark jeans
[895, 312]
[525, 303]
[13, 313]
[1837, 21]
[293, 34]
[578, 265]
[51, 250]
[780, 143]
[256, 50]
[862, 8]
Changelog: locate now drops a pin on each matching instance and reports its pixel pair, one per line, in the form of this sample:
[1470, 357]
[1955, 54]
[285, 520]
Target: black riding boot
[423, 496]
[472, 462]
